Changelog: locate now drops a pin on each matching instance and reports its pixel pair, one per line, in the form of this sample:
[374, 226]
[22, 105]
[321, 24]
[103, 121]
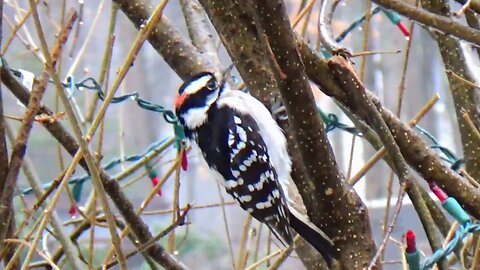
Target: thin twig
[265, 259]
[80, 53]
[180, 221]
[460, 78]
[91, 244]
[470, 123]
[386, 237]
[401, 91]
[225, 225]
[302, 14]
[14, 31]
[30, 48]
[176, 198]
[277, 67]
[476, 255]
[92, 30]
[43, 255]
[366, 53]
[148, 199]
[77, 29]
[283, 256]
[4, 162]
[380, 153]
[19, 147]
[106, 62]
[257, 242]
[243, 252]
[28, 36]
[155, 212]
[78, 133]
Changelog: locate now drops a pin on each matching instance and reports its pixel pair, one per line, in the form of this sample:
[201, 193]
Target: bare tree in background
[275, 62]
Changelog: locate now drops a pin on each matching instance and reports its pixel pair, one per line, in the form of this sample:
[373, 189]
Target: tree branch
[176, 50]
[238, 33]
[3, 141]
[199, 31]
[416, 152]
[438, 22]
[113, 189]
[20, 145]
[337, 198]
[465, 97]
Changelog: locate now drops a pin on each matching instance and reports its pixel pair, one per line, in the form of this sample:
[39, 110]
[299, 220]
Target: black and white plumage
[246, 151]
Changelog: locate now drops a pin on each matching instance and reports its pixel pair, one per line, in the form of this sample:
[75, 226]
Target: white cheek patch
[195, 117]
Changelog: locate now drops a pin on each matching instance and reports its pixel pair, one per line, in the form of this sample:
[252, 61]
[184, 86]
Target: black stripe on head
[202, 98]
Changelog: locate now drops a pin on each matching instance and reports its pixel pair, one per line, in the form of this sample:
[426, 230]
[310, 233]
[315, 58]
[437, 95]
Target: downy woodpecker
[247, 152]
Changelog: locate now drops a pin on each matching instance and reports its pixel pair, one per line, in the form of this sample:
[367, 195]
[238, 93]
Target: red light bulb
[441, 195]
[411, 245]
[404, 29]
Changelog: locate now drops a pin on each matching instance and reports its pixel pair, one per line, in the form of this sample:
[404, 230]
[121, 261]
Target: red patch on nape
[179, 99]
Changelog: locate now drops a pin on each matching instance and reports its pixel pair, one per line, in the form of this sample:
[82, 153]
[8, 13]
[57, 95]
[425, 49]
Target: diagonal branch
[176, 50]
[438, 22]
[416, 152]
[465, 97]
[338, 199]
[113, 189]
[251, 68]
[199, 31]
[3, 142]
[20, 145]
[237, 31]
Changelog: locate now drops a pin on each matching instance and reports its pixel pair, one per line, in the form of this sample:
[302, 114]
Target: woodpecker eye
[212, 84]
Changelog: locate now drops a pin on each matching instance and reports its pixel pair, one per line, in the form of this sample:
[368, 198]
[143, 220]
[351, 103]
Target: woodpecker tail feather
[280, 228]
[313, 235]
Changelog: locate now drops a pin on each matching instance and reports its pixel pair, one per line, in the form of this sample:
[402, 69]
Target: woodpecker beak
[179, 99]
[225, 74]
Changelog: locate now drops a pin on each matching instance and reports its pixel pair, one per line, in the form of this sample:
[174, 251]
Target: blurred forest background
[130, 130]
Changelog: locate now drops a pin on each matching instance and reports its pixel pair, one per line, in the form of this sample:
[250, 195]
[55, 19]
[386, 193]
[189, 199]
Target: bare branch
[312, 141]
[177, 51]
[112, 188]
[19, 148]
[416, 152]
[443, 24]
[465, 97]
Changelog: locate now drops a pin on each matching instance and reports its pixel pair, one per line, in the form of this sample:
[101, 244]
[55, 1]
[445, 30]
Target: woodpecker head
[194, 99]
